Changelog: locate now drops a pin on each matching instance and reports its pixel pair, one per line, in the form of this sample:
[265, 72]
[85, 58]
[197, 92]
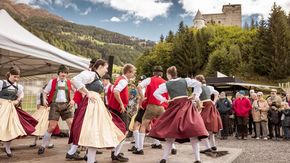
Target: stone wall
[231, 16]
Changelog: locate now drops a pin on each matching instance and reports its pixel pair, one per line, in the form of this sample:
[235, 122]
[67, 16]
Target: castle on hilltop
[231, 16]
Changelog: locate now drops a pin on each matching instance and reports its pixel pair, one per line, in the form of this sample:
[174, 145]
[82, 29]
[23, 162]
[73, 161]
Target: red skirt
[181, 121]
[79, 119]
[118, 122]
[78, 122]
[27, 121]
[211, 117]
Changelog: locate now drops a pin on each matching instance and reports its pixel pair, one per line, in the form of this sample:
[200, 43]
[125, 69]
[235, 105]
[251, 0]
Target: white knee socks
[118, 148]
[73, 149]
[168, 147]
[212, 139]
[46, 139]
[206, 143]
[157, 142]
[136, 138]
[173, 146]
[7, 146]
[91, 155]
[141, 141]
[195, 147]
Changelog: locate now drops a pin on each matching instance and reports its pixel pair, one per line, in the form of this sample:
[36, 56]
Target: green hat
[63, 68]
[157, 69]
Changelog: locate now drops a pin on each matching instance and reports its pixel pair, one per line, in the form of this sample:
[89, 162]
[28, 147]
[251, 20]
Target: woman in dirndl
[95, 128]
[181, 122]
[41, 115]
[209, 114]
[14, 122]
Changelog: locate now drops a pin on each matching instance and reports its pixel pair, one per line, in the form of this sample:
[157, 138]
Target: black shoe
[8, 154]
[85, 157]
[141, 152]
[174, 151]
[74, 156]
[32, 145]
[197, 161]
[163, 161]
[41, 150]
[120, 158]
[132, 149]
[214, 148]
[112, 154]
[50, 146]
[99, 152]
[205, 151]
[154, 146]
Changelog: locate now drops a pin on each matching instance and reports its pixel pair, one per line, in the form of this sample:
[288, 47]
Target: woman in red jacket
[242, 106]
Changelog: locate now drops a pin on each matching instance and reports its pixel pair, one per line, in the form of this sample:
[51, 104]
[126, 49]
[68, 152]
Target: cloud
[23, 1]
[140, 9]
[88, 10]
[33, 2]
[137, 22]
[66, 4]
[115, 19]
[248, 6]
[73, 6]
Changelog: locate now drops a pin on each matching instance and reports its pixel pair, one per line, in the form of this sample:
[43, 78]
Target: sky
[146, 19]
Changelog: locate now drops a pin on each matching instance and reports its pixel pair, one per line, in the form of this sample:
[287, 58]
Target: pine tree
[185, 50]
[161, 38]
[169, 38]
[181, 27]
[252, 23]
[280, 37]
[246, 26]
[261, 58]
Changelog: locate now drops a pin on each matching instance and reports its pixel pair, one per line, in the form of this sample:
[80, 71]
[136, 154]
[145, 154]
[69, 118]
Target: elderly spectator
[224, 106]
[286, 120]
[260, 115]
[251, 120]
[288, 98]
[242, 106]
[274, 102]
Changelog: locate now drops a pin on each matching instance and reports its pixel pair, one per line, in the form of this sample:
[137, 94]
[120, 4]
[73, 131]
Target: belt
[178, 97]
[207, 100]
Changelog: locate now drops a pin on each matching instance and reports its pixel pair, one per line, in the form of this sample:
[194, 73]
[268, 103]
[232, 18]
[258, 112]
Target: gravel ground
[255, 151]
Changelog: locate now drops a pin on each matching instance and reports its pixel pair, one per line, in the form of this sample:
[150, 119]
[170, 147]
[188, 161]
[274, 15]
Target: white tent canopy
[33, 56]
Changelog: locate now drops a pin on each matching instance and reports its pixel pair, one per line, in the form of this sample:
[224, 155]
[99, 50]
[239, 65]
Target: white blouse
[190, 83]
[20, 93]
[83, 78]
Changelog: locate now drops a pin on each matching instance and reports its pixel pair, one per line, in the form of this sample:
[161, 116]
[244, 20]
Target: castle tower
[233, 14]
[198, 21]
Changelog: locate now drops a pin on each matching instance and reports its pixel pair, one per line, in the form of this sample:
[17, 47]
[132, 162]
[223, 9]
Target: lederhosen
[60, 109]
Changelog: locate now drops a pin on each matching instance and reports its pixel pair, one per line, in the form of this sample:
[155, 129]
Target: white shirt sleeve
[1, 85]
[145, 83]
[212, 90]
[196, 85]
[20, 92]
[159, 91]
[121, 85]
[83, 78]
[48, 87]
[38, 99]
